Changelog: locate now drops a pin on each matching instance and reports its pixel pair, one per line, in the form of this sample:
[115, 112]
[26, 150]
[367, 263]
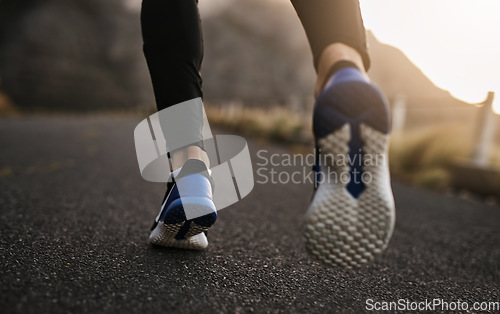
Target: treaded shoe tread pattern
[341, 230]
[195, 229]
[175, 221]
[164, 235]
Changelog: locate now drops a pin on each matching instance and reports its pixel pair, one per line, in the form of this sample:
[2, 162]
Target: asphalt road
[76, 215]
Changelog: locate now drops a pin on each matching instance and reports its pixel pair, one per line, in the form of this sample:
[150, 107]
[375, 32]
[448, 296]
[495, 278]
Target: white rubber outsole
[164, 235]
[341, 230]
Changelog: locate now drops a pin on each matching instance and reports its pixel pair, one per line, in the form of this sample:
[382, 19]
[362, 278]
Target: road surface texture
[76, 215]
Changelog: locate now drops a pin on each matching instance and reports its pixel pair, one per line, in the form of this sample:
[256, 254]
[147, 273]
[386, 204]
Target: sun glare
[454, 42]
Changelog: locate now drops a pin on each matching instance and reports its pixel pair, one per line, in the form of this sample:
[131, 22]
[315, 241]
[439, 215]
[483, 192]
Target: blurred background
[436, 61]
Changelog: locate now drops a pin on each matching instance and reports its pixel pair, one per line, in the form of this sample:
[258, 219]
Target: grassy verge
[276, 124]
[6, 106]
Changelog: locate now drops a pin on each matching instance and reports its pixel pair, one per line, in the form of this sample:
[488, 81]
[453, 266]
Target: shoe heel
[202, 208]
[351, 102]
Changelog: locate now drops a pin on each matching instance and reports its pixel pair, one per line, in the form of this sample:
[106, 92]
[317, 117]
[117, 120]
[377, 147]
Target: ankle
[336, 55]
[336, 67]
[180, 156]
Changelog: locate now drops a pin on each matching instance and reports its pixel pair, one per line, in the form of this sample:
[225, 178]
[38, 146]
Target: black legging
[173, 41]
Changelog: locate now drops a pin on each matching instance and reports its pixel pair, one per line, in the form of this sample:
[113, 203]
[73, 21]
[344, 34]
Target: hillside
[86, 54]
[396, 74]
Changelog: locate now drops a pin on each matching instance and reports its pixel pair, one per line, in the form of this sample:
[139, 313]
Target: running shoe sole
[172, 229]
[162, 237]
[342, 229]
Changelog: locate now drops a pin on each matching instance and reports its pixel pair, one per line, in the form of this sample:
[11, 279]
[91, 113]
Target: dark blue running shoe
[187, 210]
[351, 217]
